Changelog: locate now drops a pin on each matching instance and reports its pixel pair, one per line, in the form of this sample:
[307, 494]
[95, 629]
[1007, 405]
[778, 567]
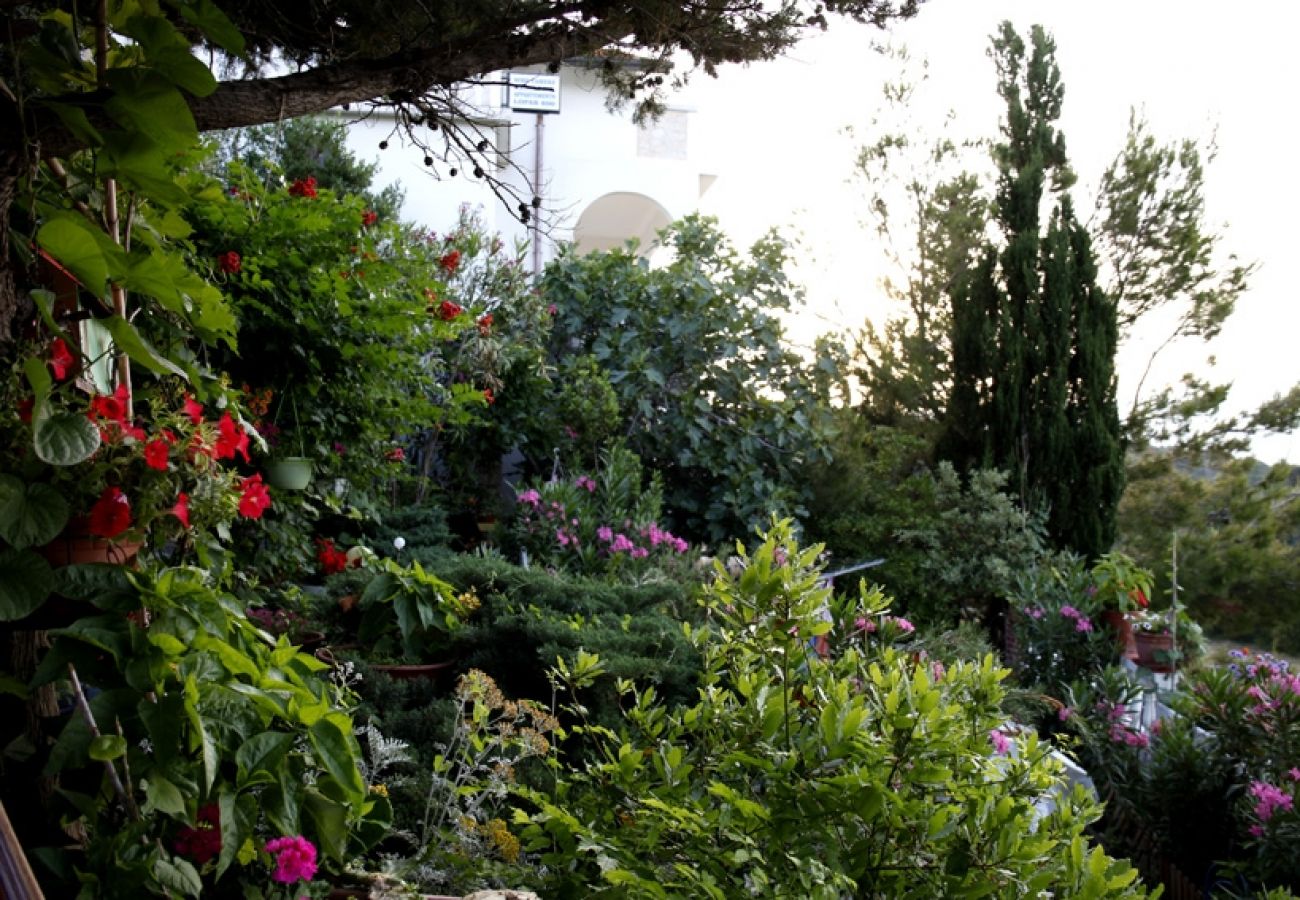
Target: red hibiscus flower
[304, 187]
[25, 408]
[255, 499]
[193, 409]
[485, 325]
[111, 407]
[450, 262]
[231, 439]
[111, 514]
[229, 262]
[448, 311]
[368, 218]
[489, 396]
[182, 508]
[61, 359]
[397, 454]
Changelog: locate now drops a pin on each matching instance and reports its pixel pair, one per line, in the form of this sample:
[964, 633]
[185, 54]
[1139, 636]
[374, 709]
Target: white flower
[399, 542]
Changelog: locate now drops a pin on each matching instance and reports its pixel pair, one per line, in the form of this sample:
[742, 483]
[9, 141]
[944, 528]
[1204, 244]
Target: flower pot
[293, 473]
[72, 548]
[1154, 651]
[1122, 628]
[412, 671]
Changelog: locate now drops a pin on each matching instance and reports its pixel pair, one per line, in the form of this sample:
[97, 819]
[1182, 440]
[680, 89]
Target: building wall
[647, 175]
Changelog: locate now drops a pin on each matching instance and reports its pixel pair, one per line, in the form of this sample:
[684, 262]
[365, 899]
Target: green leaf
[148, 104]
[262, 753]
[213, 23]
[71, 241]
[178, 875]
[31, 514]
[129, 341]
[13, 687]
[107, 747]
[330, 821]
[335, 749]
[25, 582]
[66, 438]
[168, 53]
[163, 796]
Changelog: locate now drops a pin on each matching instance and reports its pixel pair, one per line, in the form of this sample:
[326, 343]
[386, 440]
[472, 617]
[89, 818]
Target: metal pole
[537, 192]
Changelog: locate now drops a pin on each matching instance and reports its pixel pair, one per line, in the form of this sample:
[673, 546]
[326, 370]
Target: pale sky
[776, 132]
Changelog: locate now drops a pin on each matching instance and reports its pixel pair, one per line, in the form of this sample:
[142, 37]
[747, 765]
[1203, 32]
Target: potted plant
[1159, 645]
[410, 615]
[94, 477]
[1120, 586]
[291, 473]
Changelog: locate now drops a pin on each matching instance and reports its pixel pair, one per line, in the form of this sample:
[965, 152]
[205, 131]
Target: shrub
[868, 772]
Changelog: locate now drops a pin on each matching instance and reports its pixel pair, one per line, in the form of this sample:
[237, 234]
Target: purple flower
[1070, 612]
[1083, 623]
[1001, 743]
[1064, 713]
[1270, 798]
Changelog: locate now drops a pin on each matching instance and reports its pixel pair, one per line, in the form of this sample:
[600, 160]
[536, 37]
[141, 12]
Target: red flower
[255, 499]
[182, 508]
[231, 439]
[331, 559]
[489, 396]
[304, 187]
[397, 454]
[61, 359]
[229, 262]
[448, 311]
[25, 408]
[368, 218]
[1139, 597]
[111, 514]
[155, 454]
[485, 325]
[112, 408]
[193, 409]
[450, 262]
[202, 843]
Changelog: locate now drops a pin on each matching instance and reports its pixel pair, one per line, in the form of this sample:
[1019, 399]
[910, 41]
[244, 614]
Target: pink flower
[605, 533]
[640, 552]
[1064, 713]
[531, 497]
[586, 484]
[621, 544]
[902, 624]
[1070, 612]
[1270, 798]
[1294, 774]
[680, 545]
[295, 859]
[1034, 612]
[561, 537]
[862, 623]
[1001, 743]
[1083, 623]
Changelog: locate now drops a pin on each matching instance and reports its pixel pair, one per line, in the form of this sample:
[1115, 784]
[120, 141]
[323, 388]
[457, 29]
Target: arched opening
[615, 218]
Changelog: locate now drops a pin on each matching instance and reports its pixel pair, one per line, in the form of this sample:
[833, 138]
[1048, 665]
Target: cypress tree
[1033, 336]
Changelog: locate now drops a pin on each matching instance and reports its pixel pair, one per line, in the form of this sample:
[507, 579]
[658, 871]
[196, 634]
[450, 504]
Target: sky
[775, 132]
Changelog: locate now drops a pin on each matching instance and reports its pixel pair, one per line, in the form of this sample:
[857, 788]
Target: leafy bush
[863, 773]
[710, 396]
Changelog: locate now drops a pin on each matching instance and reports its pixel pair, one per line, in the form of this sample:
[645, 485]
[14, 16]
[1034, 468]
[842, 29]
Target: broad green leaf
[262, 753]
[74, 118]
[38, 376]
[107, 747]
[139, 163]
[330, 819]
[213, 23]
[25, 582]
[335, 749]
[179, 875]
[71, 241]
[163, 796]
[150, 105]
[66, 438]
[168, 53]
[135, 346]
[30, 514]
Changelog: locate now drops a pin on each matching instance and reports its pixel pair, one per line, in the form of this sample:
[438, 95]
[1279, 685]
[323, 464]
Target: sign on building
[533, 92]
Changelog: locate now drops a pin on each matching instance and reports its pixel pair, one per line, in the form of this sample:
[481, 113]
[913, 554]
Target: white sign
[533, 92]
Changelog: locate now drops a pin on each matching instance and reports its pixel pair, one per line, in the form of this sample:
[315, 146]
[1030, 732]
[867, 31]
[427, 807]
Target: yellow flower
[380, 789]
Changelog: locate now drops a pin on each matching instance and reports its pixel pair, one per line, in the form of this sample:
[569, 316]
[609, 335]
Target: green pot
[293, 473]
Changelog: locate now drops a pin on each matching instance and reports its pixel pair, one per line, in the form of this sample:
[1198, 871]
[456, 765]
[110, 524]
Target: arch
[611, 220]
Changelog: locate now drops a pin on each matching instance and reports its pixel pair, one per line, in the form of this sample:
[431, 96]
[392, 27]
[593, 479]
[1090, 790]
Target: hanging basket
[292, 473]
[76, 545]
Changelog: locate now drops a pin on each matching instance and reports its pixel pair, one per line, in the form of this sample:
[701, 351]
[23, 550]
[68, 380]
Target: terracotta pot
[410, 672]
[1120, 626]
[72, 548]
[1154, 651]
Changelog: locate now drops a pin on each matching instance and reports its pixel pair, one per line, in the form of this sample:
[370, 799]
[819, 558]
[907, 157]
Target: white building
[602, 179]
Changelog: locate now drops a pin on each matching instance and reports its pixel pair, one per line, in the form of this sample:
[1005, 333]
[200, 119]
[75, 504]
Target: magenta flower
[605, 533]
[1270, 798]
[903, 625]
[1070, 612]
[295, 859]
[1001, 743]
[531, 497]
[1064, 713]
[640, 552]
[621, 544]
[1083, 623]
[586, 484]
